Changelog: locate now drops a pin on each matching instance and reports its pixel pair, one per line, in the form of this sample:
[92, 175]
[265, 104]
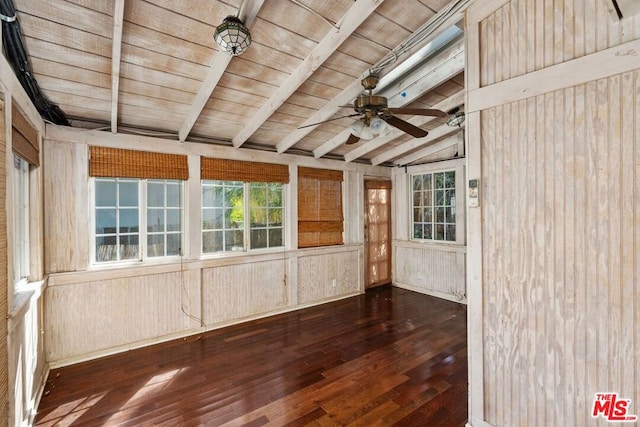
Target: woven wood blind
[24, 138]
[4, 363]
[320, 218]
[119, 163]
[236, 170]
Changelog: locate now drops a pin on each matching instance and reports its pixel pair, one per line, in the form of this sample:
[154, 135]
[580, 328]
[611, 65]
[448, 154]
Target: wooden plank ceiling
[153, 67]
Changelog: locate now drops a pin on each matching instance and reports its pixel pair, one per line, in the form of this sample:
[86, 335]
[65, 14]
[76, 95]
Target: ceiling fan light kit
[232, 36]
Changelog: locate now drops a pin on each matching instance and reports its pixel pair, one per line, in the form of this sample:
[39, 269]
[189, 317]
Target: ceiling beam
[219, 63]
[360, 10]
[116, 52]
[432, 149]
[447, 104]
[436, 71]
[437, 133]
[433, 28]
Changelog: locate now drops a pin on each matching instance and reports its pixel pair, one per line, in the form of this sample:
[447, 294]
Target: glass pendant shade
[232, 36]
[359, 129]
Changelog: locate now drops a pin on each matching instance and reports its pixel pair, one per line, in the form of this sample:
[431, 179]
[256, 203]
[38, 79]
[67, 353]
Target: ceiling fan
[376, 114]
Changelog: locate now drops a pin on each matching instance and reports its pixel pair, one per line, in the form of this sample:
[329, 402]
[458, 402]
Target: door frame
[373, 183]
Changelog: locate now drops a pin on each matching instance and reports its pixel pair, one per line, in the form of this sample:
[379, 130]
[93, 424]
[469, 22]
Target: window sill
[440, 246]
[23, 297]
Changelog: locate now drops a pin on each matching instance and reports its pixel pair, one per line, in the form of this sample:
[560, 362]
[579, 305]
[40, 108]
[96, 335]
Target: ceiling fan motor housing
[365, 103]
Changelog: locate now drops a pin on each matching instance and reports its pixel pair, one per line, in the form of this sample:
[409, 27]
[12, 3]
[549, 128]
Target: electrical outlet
[333, 283]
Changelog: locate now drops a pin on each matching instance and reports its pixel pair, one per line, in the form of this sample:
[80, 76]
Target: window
[226, 214]
[434, 206]
[21, 219]
[119, 215]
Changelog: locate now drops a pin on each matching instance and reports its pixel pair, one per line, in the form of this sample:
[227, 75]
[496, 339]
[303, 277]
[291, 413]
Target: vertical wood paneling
[66, 193]
[317, 274]
[87, 317]
[236, 291]
[430, 270]
[547, 32]
[4, 287]
[562, 212]
[560, 219]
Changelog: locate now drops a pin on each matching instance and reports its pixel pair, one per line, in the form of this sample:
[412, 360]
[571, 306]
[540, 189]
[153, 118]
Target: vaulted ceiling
[153, 67]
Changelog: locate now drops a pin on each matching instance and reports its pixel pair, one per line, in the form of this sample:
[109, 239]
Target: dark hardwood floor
[389, 357]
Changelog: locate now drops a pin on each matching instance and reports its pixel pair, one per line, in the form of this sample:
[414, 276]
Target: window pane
[275, 237]
[106, 193]
[439, 198]
[128, 220]
[439, 232]
[128, 247]
[439, 180]
[173, 194]
[417, 198]
[155, 194]
[234, 218]
[428, 182]
[106, 248]
[440, 214]
[128, 193]
[275, 217]
[428, 231]
[451, 232]
[155, 220]
[155, 245]
[259, 239]
[417, 183]
[450, 179]
[258, 217]
[428, 215]
[257, 196]
[427, 198]
[212, 241]
[417, 215]
[173, 219]
[233, 240]
[105, 221]
[212, 196]
[212, 219]
[275, 195]
[447, 197]
[417, 231]
[174, 243]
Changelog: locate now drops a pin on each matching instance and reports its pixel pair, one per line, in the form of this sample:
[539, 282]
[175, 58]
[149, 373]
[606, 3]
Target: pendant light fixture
[232, 36]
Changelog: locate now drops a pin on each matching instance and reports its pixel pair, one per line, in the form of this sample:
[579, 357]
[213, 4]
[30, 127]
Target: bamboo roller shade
[119, 163]
[320, 218]
[236, 170]
[24, 137]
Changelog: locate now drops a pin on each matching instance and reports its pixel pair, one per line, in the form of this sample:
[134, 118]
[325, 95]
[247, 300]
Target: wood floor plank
[388, 357]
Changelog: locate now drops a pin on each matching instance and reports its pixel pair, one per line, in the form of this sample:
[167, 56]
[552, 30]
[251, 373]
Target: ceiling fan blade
[418, 112]
[407, 127]
[329, 120]
[352, 139]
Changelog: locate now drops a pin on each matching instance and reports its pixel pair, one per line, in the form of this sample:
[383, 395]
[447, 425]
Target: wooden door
[377, 233]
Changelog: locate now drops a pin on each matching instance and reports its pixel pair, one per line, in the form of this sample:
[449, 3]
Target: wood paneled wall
[559, 216]
[4, 286]
[431, 269]
[92, 311]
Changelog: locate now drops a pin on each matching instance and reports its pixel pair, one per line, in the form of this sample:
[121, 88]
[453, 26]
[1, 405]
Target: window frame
[21, 222]
[460, 204]
[143, 233]
[246, 218]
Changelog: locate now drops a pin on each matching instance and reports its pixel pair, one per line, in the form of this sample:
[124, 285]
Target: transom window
[137, 219]
[231, 207]
[434, 206]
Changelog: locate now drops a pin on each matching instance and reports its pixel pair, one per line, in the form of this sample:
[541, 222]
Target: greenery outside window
[231, 207]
